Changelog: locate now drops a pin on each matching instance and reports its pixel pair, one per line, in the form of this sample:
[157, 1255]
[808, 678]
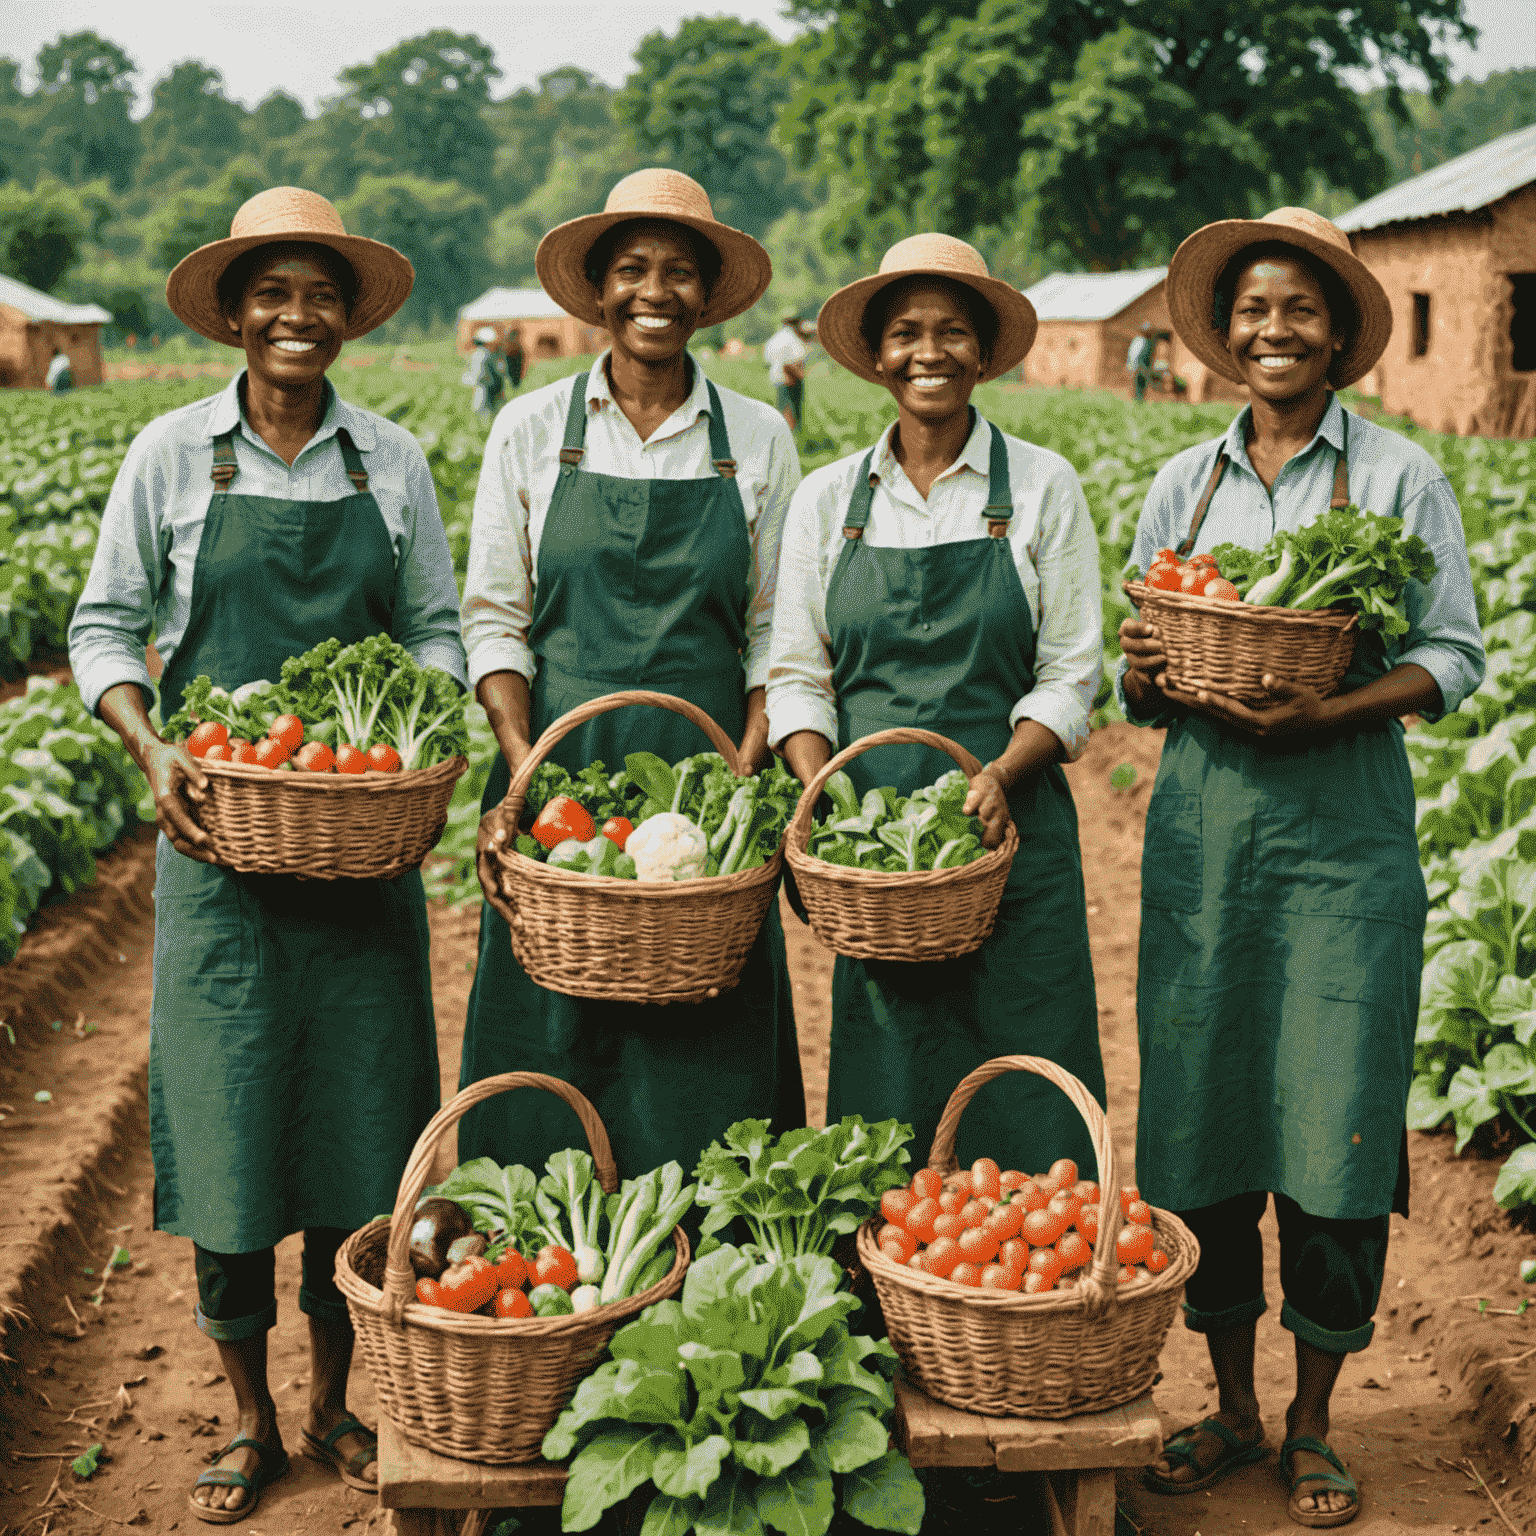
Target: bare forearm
[122, 707]
[754, 740]
[807, 753]
[504, 696]
[1032, 748]
[1405, 690]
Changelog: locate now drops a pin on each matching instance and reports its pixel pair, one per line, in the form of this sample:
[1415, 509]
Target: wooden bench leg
[436, 1522]
[1086, 1501]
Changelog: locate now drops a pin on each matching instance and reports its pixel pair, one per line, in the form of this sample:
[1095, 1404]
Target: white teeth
[1276, 362]
[651, 322]
[294, 346]
[928, 383]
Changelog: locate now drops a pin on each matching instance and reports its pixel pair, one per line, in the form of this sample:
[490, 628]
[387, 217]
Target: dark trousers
[237, 1293]
[1330, 1271]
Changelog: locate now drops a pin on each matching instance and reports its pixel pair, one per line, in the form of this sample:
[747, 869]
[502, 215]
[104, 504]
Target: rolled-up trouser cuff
[231, 1330]
[326, 1308]
[1229, 1317]
[1350, 1342]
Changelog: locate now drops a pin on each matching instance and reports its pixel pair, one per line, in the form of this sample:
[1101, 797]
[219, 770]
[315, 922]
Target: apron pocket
[1332, 866]
[202, 925]
[1173, 854]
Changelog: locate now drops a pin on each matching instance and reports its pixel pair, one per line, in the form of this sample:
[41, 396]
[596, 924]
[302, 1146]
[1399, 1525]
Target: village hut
[32, 324]
[546, 329]
[1455, 248]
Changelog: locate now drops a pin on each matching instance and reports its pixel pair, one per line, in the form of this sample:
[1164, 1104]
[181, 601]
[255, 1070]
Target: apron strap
[223, 461]
[719, 438]
[1218, 469]
[1341, 467]
[353, 460]
[858, 504]
[575, 445]
[999, 489]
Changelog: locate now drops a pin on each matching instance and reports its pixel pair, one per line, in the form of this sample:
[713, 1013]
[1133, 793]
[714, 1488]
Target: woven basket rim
[337, 783]
[1323, 618]
[532, 872]
[895, 880]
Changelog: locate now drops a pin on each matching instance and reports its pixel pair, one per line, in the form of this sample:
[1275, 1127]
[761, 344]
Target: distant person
[60, 375]
[484, 374]
[1138, 360]
[785, 354]
[513, 360]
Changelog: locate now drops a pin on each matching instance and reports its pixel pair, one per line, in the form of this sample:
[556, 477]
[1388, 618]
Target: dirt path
[138, 1377]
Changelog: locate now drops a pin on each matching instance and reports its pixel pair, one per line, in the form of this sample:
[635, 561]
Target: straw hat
[1198, 263]
[662, 196]
[279, 215]
[839, 325]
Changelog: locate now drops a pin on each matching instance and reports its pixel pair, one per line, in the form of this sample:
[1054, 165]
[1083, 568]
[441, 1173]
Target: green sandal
[228, 1477]
[1318, 1519]
[1180, 1452]
[350, 1467]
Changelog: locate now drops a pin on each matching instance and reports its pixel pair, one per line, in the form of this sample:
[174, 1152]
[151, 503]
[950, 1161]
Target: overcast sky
[259, 47]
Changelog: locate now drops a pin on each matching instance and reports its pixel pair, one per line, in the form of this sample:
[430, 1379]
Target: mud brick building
[32, 324]
[547, 331]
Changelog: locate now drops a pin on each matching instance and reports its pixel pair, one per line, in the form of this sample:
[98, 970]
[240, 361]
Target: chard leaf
[769, 1447]
[654, 1337]
[611, 1466]
[1514, 1007]
[852, 1436]
[1472, 1103]
[886, 1495]
[1507, 1069]
[777, 1402]
[731, 1509]
[1516, 1183]
[686, 1471]
[653, 776]
[841, 1368]
[670, 1517]
[801, 1368]
[1426, 1108]
[717, 1374]
[798, 1502]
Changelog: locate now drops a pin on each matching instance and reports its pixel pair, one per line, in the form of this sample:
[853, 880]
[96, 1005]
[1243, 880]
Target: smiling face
[931, 352]
[653, 292]
[1282, 335]
[291, 316]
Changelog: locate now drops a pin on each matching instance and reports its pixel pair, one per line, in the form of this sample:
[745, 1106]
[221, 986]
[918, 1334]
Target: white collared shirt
[1055, 551]
[141, 574]
[522, 465]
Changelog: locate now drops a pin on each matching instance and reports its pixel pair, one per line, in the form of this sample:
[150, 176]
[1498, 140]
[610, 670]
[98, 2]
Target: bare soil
[134, 1375]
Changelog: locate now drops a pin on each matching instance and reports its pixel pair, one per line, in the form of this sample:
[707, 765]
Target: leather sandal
[1180, 1452]
[228, 1477]
[350, 1468]
[1337, 1481]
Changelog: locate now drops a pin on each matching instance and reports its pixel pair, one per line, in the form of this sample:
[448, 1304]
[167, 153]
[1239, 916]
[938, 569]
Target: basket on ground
[324, 826]
[632, 941]
[1227, 647]
[876, 914]
[1049, 1356]
[470, 1387]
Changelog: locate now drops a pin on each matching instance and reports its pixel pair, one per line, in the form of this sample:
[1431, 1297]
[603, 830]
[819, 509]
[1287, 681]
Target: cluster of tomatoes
[1010, 1231]
[284, 747]
[1198, 576]
[495, 1287]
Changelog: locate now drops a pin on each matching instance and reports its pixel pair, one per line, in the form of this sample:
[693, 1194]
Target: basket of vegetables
[897, 877]
[341, 770]
[478, 1305]
[1038, 1297]
[649, 886]
[1293, 609]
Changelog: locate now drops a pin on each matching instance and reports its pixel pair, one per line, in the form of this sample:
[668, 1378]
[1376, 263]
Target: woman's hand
[174, 778]
[1297, 709]
[1147, 664]
[498, 832]
[988, 800]
[753, 749]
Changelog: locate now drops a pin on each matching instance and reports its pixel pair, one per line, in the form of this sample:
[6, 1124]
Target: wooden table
[1070, 1462]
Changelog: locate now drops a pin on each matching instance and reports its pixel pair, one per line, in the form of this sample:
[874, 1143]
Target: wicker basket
[1227, 647]
[476, 1388]
[324, 826]
[1050, 1356]
[631, 941]
[874, 914]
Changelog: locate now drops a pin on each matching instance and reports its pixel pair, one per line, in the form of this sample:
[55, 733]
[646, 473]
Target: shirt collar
[600, 391]
[1329, 430]
[976, 455]
[227, 415]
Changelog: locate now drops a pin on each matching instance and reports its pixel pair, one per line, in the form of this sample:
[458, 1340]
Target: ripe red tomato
[963, 1184]
[1157, 1261]
[927, 1184]
[511, 1271]
[895, 1203]
[940, 1256]
[209, 734]
[1139, 1212]
[1088, 1190]
[1046, 1184]
[563, 817]
[1128, 1193]
[1073, 1251]
[289, 730]
[270, 753]
[1165, 578]
[1066, 1204]
[949, 1224]
[554, 1266]
[1035, 1284]
[1168, 554]
[1014, 1253]
[1031, 1196]
[952, 1201]
[315, 757]
[218, 754]
[1133, 1244]
[977, 1245]
[383, 758]
[1222, 590]
[985, 1177]
[966, 1274]
[244, 752]
[350, 760]
[1042, 1228]
[1064, 1171]
[513, 1303]
[1045, 1261]
[1191, 579]
[1088, 1224]
[919, 1220]
[1006, 1220]
[898, 1246]
[617, 829]
[973, 1213]
[1011, 1180]
[1001, 1277]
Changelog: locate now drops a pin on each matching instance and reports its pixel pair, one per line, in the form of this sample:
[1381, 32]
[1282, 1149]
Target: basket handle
[517, 791]
[1104, 1273]
[399, 1278]
[800, 825]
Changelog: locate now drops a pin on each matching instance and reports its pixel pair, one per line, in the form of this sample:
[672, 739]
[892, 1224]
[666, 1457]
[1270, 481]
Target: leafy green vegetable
[85, 1464]
[884, 830]
[641, 1217]
[500, 1201]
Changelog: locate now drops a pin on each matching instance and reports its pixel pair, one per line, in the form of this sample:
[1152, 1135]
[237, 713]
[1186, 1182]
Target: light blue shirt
[1388, 475]
[141, 576]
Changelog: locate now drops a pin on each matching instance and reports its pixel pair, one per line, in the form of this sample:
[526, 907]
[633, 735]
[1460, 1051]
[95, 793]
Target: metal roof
[1091, 295]
[1473, 180]
[512, 304]
[43, 306]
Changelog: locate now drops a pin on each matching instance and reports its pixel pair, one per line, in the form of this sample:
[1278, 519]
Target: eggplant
[437, 1224]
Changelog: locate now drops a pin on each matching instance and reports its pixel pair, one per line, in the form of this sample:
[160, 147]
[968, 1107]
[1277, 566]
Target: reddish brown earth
[136, 1376]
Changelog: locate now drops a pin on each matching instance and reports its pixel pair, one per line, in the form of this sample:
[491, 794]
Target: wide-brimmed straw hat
[662, 196]
[839, 326]
[1198, 263]
[278, 216]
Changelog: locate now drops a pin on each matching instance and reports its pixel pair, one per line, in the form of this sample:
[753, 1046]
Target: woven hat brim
[384, 281]
[1198, 263]
[561, 262]
[839, 325]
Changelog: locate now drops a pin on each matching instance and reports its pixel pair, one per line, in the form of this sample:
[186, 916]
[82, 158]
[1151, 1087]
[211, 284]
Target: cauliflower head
[667, 846]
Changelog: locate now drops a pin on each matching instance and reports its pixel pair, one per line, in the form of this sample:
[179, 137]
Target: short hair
[978, 310]
[1341, 304]
[237, 274]
[600, 253]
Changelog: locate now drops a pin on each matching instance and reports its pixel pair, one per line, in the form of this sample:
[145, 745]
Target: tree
[570, 114]
[1472, 113]
[199, 216]
[706, 101]
[1103, 132]
[41, 232]
[18, 128]
[192, 131]
[86, 130]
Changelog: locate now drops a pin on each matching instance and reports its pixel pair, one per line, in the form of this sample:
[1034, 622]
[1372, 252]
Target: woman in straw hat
[293, 1057]
[1282, 901]
[625, 535]
[948, 577]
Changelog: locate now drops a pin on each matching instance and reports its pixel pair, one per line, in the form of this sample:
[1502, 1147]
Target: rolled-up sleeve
[767, 539]
[498, 583]
[1443, 636]
[426, 618]
[800, 696]
[1069, 648]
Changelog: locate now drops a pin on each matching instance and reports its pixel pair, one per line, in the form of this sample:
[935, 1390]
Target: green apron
[1282, 927]
[942, 637]
[293, 1054]
[641, 584]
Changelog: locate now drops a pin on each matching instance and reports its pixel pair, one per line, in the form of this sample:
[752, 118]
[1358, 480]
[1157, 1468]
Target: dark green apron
[942, 637]
[1282, 926]
[293, 1054]
[641, 584]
